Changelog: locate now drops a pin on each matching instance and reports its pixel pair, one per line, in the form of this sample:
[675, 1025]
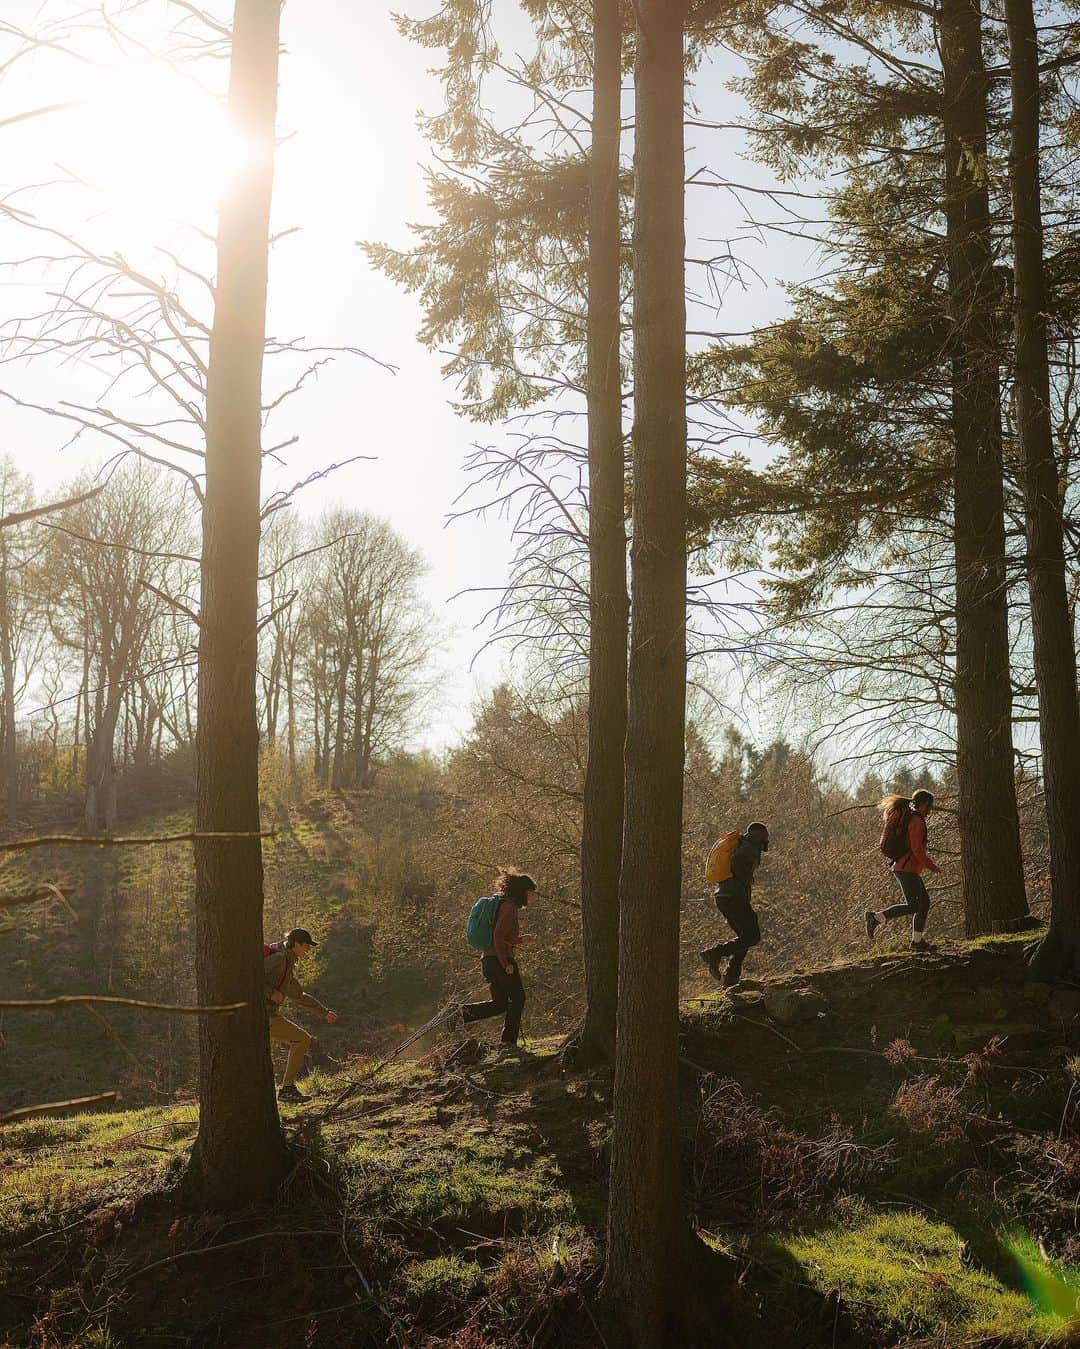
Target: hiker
[279, 961]
[732, 897]
[903, 842]
[513, 892]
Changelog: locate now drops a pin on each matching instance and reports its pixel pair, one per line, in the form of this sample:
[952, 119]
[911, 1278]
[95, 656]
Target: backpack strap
[280, 983]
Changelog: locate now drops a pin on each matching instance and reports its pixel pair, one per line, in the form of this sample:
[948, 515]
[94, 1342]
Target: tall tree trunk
[337, 771]
[99, 808]
[602, 819]
[7, 661]
[989, 822]
[239, 1150]
[1051, 621]
[647, 1234]
[290, 710]
[366, 777]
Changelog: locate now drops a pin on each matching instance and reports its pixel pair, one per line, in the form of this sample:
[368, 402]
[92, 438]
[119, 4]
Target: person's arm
[505, 940]
[295, 993]
[917, 844]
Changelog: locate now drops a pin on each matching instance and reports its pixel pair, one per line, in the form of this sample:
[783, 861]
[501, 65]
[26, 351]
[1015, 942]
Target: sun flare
[155, 148]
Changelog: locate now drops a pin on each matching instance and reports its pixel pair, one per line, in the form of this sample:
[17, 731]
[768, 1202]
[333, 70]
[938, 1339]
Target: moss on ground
[914, 1278]
[467, 1194]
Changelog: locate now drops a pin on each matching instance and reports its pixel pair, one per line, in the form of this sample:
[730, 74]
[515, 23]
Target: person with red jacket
[499, 963]
[898, 813]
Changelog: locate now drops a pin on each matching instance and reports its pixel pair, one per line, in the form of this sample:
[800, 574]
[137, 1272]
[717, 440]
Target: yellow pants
[299, 1041]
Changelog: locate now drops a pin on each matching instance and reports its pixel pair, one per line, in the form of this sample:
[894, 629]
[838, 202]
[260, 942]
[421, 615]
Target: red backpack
[894, 837]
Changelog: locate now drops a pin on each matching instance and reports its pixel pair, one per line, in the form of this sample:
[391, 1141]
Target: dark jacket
[278, 977]
[744, 861]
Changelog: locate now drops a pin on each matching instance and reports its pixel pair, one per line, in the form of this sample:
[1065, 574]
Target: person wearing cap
[733, 900]
[281, 983]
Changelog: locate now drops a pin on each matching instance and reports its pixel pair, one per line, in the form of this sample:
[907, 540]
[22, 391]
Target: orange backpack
[718, 862]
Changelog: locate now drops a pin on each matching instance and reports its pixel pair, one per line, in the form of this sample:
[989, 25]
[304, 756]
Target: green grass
[999, 939]
[446, 1278]
[50, 1166]
[421, 1177]
[912, 1276]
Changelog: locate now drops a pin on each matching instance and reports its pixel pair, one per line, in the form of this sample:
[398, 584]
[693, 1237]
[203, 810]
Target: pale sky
[350, 91]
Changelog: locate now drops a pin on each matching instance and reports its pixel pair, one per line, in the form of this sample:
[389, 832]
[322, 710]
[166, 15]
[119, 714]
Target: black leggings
[916, 901]
[744, 920]
[507, 995]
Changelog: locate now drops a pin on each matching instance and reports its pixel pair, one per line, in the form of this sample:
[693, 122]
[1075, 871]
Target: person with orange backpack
[279, 961]
[903, 844]
[731, 864]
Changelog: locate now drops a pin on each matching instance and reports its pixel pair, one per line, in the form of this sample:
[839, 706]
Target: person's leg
[747, 933]
[496, 1005]
[712, 955]
[916, 902]
[920, 898]
[515, 1005]
[904, 880]
[299, 1042]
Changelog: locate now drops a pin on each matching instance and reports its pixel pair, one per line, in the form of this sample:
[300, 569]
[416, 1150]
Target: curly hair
[514, 884]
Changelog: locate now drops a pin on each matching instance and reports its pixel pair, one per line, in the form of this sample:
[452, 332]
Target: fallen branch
[107, 841]
[59, 1107]
[291, 1233]
[91, 999]
[32, 896]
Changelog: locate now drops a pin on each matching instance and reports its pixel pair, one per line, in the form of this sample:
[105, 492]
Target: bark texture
[993, 877]
[239, 1150]
[647, 1234]
[602, 821]
[1051, 621]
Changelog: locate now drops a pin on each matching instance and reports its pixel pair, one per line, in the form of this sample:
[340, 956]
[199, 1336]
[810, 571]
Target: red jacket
[507, 938]
[916, 859]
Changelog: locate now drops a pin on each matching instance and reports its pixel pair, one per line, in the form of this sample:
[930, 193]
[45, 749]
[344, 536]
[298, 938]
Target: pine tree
[239, 1150]
[1051, 619]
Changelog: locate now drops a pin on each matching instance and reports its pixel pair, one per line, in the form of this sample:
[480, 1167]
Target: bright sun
[155, 149]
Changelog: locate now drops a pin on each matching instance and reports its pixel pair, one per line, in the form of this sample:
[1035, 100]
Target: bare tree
[111, 568]
[370, 640]
[23, 631]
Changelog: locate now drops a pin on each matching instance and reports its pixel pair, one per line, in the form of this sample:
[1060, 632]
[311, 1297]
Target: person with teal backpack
[494, 929]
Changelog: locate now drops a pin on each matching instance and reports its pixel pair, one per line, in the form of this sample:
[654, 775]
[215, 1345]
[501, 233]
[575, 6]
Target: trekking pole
[439, 1019]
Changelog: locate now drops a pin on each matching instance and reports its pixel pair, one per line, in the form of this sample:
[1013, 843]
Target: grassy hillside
[886, 1151]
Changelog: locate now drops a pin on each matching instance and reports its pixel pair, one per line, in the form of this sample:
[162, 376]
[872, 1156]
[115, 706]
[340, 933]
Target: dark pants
[744, 921]
[916, 901]
[507, 995]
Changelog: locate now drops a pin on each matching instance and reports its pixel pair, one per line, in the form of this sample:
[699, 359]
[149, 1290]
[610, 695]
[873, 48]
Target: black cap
[756, 827]
[300, 934]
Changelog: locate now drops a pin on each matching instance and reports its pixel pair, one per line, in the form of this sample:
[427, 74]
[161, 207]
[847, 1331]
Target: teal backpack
[480, 929]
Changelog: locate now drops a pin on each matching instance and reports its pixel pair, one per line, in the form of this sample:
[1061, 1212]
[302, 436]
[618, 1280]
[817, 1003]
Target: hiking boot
[713, 962]
[873, 922]
[292, 1095]
[921, 946]
[731, 977]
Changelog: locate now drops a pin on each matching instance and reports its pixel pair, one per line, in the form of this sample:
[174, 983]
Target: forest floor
[886, 1150]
